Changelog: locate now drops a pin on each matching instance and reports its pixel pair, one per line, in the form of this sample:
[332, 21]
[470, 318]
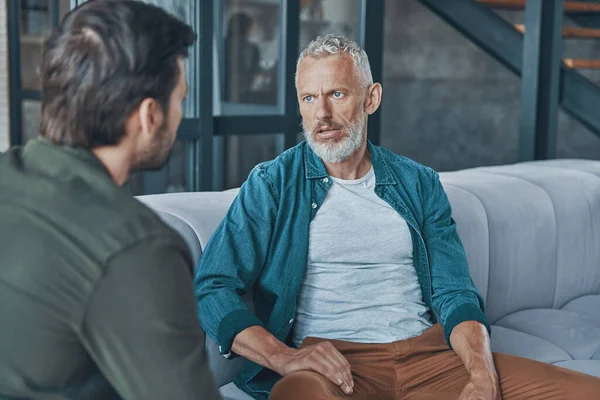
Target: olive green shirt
[96, 298]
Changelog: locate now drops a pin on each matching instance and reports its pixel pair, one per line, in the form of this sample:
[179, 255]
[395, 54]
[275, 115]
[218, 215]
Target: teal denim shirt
[261, 247]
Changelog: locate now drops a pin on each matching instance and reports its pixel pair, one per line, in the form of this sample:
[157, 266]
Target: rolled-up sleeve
[141, 325]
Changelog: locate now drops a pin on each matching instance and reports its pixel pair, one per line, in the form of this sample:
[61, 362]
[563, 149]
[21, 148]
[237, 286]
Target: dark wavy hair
[104, 58]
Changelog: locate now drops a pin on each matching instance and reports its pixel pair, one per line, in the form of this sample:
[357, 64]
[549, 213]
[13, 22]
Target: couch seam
[590, 213]
[518, 177]
[539, 338]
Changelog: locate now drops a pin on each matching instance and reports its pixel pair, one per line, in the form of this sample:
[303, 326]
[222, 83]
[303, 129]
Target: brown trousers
[425, 368]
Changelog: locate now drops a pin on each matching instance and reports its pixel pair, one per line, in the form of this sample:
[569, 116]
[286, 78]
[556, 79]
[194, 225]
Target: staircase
[533, 51]
[570, 8]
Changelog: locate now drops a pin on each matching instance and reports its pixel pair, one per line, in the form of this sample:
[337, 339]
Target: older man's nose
[324, 111]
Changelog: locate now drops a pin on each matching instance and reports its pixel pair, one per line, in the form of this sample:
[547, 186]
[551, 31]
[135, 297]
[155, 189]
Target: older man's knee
[305, 385]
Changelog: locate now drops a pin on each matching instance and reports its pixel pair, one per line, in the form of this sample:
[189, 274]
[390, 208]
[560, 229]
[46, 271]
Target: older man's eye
[308, 99]
[338, 95]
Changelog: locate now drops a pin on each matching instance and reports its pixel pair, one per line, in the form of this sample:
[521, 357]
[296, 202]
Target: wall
[449, 105]
[4, 123]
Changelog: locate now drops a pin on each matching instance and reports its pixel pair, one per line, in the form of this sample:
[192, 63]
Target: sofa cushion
[589, 305]
[224, 370]
[232, 392]
[575, 196]
[590, 166]
[202, 211]
[185, 231]
[529, 221]
[590, 367]
[521, 239]
[521, 344]
[577, 334]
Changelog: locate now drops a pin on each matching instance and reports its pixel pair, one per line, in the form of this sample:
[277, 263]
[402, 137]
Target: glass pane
[249, 53]
[32, 113]
[36, 24]
[320, 17]
[186, 10]
[242, 153]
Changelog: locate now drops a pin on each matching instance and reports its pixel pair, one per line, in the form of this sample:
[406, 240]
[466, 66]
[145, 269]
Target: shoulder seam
[264, 175]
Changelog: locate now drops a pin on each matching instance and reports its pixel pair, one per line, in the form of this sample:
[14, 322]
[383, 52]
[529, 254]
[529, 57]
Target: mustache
[323, 127]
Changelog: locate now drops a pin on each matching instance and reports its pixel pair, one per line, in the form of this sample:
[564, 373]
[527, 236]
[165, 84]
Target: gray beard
[337, 152]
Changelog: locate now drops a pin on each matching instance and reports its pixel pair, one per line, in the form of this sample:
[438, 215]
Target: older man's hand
[322, 358]
[481, 388]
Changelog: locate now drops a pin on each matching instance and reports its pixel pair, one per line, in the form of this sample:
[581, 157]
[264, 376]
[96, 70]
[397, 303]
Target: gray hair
[333, 44]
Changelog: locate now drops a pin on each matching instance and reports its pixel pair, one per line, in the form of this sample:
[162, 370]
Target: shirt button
[314, 205]
[291, 320]
[227, 355]
[325, 180]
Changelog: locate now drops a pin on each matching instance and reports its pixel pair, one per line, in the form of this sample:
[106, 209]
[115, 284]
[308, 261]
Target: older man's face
[332, 104]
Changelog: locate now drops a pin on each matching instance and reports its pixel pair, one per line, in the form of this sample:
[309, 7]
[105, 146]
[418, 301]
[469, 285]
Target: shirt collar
[315, 169]
[62, 161]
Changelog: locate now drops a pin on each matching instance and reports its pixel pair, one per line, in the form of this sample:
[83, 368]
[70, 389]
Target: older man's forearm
[258, 345]
[471, 342]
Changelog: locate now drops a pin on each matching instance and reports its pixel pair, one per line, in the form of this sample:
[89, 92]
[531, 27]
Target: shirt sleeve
[141, 326]
[455, 297]
[232, 261]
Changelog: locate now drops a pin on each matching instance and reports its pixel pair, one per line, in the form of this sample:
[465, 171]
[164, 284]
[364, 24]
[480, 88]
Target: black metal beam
[501, 40]
[54, 14]
[518, 6]
[372, 41]
[542, 50]
[579, 98]
[34, 95]
[255, 125]
[588, 20]
[203, 147]
[484, 27]
[239, 125]
[14, 71]
[291, 27]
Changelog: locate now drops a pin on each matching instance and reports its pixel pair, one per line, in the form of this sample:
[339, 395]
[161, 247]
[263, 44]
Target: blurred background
[463, 86]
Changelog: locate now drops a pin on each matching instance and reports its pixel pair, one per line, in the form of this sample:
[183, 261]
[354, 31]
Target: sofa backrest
[531, 232]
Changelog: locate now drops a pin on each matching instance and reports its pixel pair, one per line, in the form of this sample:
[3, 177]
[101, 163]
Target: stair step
[571, 32]
[581, 63]
[570, 6]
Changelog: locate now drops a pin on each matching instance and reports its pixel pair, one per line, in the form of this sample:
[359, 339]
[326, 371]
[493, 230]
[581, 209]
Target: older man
[360, 280]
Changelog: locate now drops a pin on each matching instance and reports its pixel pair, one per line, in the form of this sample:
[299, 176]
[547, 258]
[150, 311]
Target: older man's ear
[373, 98]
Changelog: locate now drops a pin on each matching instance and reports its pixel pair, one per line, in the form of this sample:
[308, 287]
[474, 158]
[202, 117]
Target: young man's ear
[150, 116]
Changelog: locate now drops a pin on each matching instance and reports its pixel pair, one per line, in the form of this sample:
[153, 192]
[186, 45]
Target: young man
[360, 281]
[96, 297]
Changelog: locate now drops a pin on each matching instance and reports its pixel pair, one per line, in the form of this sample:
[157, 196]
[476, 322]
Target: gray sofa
[532, 235]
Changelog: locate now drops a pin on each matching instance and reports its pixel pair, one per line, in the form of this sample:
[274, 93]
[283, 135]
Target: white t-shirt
[360, 284]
